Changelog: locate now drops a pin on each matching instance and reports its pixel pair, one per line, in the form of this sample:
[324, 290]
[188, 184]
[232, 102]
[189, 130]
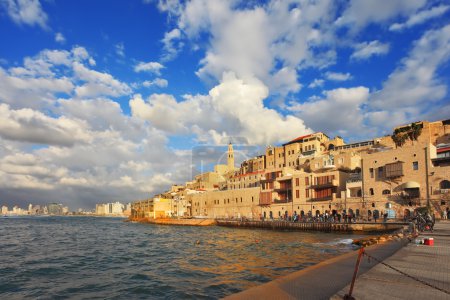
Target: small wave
[338, 242]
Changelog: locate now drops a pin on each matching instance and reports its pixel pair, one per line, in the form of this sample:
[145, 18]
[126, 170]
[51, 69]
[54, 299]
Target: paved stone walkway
[430, 264]
[320, 281]
[331, 279]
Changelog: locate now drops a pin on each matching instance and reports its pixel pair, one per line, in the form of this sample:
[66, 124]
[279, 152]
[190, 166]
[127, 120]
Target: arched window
[386, 192]
[371, 191]
[444, 184]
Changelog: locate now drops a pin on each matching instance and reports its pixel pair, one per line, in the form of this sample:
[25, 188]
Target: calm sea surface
[98, 258]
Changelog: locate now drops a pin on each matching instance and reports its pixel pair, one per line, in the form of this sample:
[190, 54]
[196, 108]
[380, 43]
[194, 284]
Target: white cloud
[27, 12]
[336, 76]
[414, 90]
[85, 144]
[159, 82]
[415, 81]
[316, 83]
[270, 42]
[31, 92]
[98, 83]
[366, 50]
[120, 49]
[152, 67]
[344, 105]
[31, 126]
[59, 37]
[420, 17]
[171, 44]
[217, 114]
[358, 14]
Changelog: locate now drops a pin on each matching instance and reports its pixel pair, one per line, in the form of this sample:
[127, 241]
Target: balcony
[265, 198]
[328, 184]
[308, 153]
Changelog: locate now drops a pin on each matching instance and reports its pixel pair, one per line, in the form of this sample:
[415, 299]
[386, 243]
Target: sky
[106, 101]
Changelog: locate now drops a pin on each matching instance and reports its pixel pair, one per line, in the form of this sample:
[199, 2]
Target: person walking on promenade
[375, 215]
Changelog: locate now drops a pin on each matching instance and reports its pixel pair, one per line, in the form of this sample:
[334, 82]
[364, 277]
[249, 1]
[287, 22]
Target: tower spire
[230, 158]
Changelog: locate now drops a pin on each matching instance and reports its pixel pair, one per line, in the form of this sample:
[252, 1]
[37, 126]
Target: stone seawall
[179, 222]
[311, 226]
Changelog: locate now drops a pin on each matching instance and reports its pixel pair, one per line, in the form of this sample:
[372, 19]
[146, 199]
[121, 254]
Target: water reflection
[107, 258]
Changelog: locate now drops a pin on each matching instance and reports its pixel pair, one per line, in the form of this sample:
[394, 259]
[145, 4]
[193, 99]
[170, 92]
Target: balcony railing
[350, 180]
[331, 183]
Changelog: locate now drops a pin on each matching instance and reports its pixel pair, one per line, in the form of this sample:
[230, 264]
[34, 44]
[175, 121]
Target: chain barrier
[407, 275]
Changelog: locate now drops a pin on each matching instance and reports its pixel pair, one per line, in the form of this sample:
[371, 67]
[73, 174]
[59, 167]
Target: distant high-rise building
[4, 210]
[55, 209]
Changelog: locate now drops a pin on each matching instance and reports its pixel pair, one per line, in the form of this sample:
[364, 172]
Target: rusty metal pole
[358, 261]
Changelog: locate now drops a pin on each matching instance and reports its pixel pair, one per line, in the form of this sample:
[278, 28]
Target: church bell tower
[230, 158]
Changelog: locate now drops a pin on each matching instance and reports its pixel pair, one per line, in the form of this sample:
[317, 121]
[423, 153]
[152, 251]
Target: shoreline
[348, 228]
[335, 272]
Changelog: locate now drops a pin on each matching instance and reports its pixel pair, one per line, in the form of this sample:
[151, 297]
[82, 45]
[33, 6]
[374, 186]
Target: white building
[4, 210]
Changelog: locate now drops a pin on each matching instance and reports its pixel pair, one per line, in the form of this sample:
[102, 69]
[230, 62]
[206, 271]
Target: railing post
[358, 261]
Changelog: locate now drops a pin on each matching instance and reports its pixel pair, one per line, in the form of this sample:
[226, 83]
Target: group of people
[335, 217]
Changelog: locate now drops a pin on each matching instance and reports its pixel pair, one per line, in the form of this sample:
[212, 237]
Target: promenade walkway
[429, 264]
[331, 278]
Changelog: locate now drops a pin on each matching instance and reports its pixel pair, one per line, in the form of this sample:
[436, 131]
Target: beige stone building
[314, 174]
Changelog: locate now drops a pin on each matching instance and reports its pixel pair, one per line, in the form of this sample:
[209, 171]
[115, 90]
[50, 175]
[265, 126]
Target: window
[415, 165]
[306, 180]
[307, 193]
[444, 184]
[386, 192]
[371, 191]
[393, 170]
[371, 172]
[297, 181]
[297, 193]
[380, 172]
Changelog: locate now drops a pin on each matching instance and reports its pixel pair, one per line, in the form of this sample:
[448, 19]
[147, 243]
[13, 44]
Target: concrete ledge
[320, 281]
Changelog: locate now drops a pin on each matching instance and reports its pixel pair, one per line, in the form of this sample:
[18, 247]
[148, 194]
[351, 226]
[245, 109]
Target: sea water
[99, 258]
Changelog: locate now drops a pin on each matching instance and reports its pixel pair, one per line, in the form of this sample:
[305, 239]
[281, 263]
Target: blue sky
[104, 100]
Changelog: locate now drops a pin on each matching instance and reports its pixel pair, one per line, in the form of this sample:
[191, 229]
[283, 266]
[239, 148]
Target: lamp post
[426, 179]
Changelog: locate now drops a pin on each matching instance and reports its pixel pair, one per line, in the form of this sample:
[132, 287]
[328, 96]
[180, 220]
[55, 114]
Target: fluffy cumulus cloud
[270, 42]
[152, 67]
[366, 50]
[52, 73]
[348, 101]
[28, 12]
[34, 127]
[234, 107]
[62, 134]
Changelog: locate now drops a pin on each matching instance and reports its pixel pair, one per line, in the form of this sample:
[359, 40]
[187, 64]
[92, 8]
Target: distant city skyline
[102, 104]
